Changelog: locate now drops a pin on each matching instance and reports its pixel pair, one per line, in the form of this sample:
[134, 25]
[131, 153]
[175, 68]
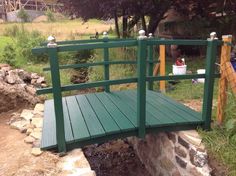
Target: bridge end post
[57, 96]
[141, 84]
[150, 62]
[209, 82]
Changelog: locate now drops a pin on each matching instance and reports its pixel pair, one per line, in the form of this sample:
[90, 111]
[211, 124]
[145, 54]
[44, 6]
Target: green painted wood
[154, 111]
[78, 47]
[57, 97]
[120, 119]
[209, 83]
[95, 127]
[175, 77]
[39, 50]
[78, 124]
[49, 138]
[104, 117]
[141, 86]
[178, 113]
[68, 129]
[124, 108]
[106, 66]
[176, 42]
[196, 115]
[150, 66]
[131, 101]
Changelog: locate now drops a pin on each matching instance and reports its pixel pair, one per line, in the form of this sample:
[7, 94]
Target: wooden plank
[124, 108]
[184, 109]
[68, 129]
[223, 84]
[78, 124]
[131, 102]
[162, 67]
[105, 118]
[175, 108]
[163, 118]
[123, 122]
[94, 125]
[49, 138]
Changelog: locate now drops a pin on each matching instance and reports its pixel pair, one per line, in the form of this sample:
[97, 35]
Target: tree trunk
[153, 23]
[125, 24]
[117, 25]
[144, 24]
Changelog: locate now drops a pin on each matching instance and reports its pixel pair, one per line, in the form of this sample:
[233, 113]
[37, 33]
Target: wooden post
[150, 63]
[141, 85]
[57, 96]
[106, 59]
[162, 67]
[222, 87]
[209, 83]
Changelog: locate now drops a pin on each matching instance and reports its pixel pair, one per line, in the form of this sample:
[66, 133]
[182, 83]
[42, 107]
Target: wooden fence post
[57, 96]
[106, 59]
[162, 67]
[222, 87]
[141, 85]
[209, 83]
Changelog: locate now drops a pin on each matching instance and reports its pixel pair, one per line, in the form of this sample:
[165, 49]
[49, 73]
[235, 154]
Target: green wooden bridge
[76, 121]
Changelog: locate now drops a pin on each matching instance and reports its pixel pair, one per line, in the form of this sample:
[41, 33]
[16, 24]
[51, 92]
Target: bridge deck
[98, 117]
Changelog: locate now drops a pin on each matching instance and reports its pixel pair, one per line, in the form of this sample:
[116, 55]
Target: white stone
[36, 134]
[38, 122]
[38, 130]
[27, 114]
[29, 140]
[39, 108]
[19, 125]
[29, 131]
[31, 90]
[36, 151]
[191, 136]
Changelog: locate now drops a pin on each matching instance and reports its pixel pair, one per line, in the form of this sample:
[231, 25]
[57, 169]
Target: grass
[64, 30]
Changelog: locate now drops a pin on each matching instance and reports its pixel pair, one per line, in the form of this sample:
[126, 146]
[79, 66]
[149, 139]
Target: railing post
[209, 82]
[106, 60]
[162, 66]
[57, 96]
[150, 63]
[141, 85]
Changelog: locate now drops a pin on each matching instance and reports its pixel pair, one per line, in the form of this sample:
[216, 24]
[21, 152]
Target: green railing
[145, 58]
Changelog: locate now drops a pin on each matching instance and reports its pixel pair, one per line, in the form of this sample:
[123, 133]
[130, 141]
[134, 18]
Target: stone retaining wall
[173, 154]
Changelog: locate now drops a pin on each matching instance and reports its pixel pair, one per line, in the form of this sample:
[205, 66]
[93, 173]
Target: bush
[12, 31]
[9, 55]
[23, 15]
[50, 16]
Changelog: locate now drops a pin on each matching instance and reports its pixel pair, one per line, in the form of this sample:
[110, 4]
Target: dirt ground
[15, 155]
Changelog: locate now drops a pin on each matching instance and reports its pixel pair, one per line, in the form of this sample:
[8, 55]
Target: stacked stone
[19, 76]
[30, 122]
[173, 154]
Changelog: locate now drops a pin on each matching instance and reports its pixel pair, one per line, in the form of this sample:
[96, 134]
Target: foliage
[50, 16]
[23, 15]
[8, 55]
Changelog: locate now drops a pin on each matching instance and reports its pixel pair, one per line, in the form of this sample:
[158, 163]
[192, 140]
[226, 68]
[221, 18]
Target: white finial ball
[105, 33]
[51, 39]
[213, 35]
[141, 33]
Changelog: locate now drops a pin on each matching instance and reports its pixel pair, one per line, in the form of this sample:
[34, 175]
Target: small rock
[36, 144]
[36, 135]
[33, 81]
[44, 85]
[39, 108]
[27, 114]
[19, 125]
[2, 73]
[40, 80]
[36, 151]
[38, 115]
[31, 90]
[23, 130]
[38, 129]
[29, 131]
[38, 122]
[34, 76]
[29, 140]
[6, 69]
[4, 65]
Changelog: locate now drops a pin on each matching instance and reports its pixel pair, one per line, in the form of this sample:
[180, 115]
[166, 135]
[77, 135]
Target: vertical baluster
[141, 85]
[57, 96]
[106, 60]
[150, 63]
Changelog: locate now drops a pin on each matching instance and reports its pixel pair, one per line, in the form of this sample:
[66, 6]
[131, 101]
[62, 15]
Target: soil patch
[116, 158]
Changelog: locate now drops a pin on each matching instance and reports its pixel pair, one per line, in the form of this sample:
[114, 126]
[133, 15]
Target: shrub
[50, 16]
[23, 15]
[12, 31]
[9, 55]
